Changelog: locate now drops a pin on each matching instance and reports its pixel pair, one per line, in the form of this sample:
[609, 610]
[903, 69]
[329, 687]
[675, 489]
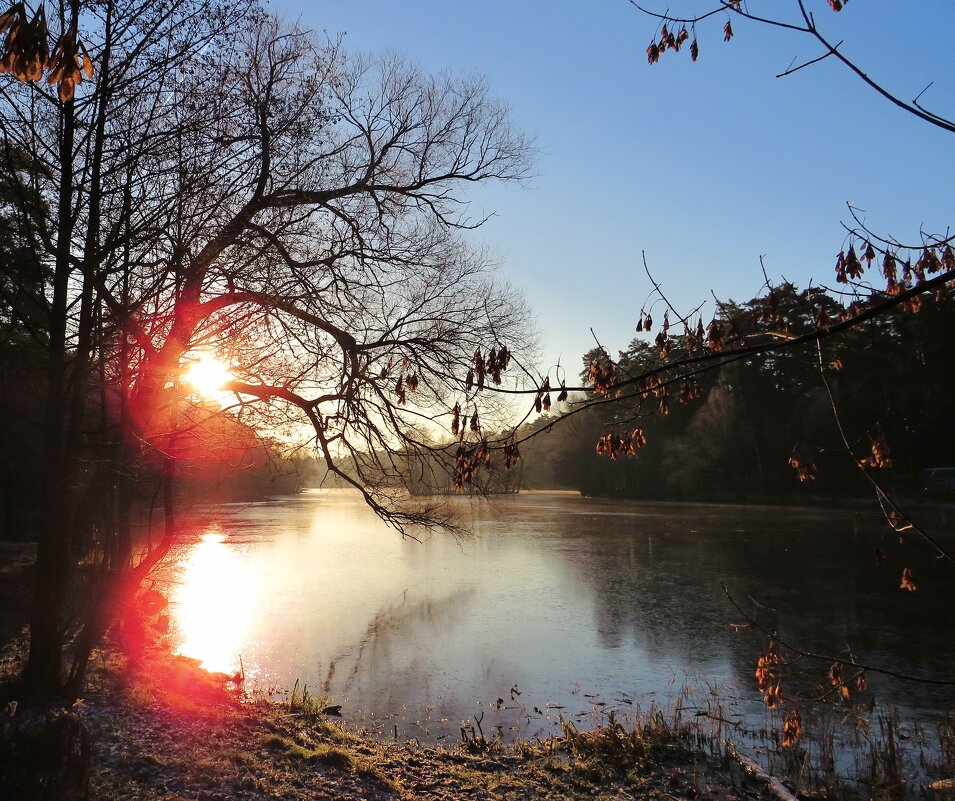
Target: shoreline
[162, 728]
[264, 750]
[167, 729]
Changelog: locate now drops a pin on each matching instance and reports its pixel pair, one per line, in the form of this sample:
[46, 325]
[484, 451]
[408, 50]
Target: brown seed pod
[792, 728]
[907, 583]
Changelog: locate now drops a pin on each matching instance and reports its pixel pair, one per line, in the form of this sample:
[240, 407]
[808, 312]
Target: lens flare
[207, 375]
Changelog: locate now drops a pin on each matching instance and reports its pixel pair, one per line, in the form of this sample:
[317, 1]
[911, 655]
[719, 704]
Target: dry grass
[152, 748]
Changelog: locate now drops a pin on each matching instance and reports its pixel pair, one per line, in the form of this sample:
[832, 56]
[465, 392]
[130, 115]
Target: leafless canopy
[248, 189]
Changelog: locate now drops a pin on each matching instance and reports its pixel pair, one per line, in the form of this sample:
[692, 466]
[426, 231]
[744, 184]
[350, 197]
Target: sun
[207, 375]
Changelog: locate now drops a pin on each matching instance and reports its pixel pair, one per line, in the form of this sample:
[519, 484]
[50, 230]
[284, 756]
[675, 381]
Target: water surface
[558, 607]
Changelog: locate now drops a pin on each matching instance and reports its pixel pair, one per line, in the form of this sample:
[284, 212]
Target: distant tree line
[753, 429]
[753, 423]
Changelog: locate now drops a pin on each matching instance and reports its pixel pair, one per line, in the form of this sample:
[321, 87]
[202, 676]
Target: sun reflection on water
[213, 603]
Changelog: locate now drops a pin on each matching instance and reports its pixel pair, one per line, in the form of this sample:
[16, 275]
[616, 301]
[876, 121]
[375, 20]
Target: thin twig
[881, 494]
[790, 70]
[852, 662]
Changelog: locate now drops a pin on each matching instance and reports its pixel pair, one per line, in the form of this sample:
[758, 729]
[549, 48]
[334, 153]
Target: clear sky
[704, 166]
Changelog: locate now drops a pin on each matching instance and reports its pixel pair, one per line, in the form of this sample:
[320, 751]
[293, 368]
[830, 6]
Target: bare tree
[322, 219]
[229, 185]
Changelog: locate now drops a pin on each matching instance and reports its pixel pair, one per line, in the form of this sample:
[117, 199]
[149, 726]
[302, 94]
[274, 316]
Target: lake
[557, 607]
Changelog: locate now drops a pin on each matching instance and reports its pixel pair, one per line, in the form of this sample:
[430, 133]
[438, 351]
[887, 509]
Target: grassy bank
[166, 729]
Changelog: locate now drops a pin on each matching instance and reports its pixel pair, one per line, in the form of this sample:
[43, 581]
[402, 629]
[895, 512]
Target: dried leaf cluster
[907, 583]
[542, 398]
[602, 373]
[931, 260]
[512, 455]
[715, 337]
[805, 469]
[26, 53]
[497, 361]
[792, 728]
[662, 340]
[769, 677]
[881, 456]
[407, 380]
[841, 684]
[674, 33]
[614, 445]
[671, 40]
[469, 459]
[690, 391]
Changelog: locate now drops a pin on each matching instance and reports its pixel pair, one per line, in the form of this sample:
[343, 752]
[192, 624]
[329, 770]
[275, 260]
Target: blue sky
[704, 166]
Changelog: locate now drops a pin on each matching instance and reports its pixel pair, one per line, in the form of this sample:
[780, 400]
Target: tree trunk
[44, 664]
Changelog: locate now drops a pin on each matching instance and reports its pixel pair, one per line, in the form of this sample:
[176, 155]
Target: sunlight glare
[213, 604]
[208, 375]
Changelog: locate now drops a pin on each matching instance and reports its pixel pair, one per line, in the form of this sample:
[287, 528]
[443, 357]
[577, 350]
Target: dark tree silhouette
[226, 185]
